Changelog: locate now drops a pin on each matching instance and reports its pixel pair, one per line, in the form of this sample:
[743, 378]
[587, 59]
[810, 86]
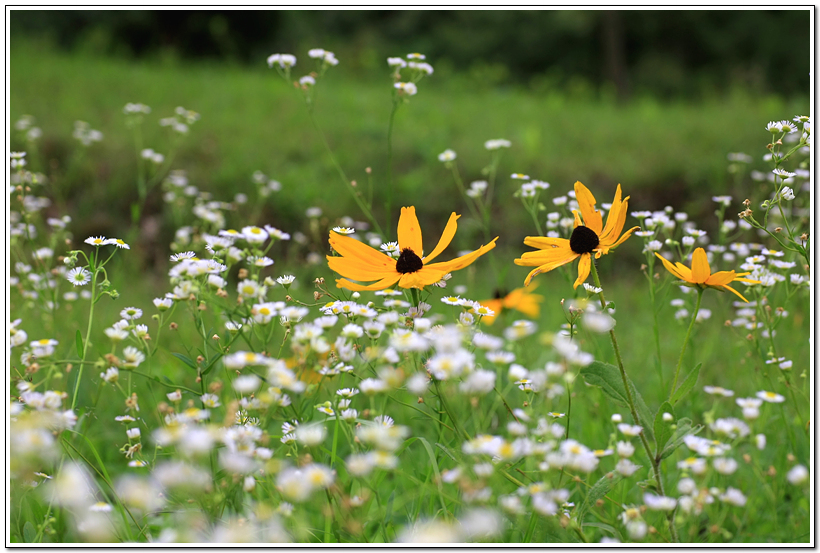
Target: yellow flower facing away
[412, 269]
[589, 236]
[520, 299]
[701, 274]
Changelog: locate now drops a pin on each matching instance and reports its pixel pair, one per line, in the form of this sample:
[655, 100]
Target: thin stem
[365, 209]
[655, 460]
[87, 333]
[685, 342]
[389, 201]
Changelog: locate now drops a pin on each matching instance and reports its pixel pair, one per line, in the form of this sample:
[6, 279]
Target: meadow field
[227, 323]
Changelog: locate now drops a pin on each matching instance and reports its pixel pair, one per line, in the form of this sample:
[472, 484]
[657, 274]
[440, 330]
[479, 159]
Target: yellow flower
[412, 269]
[520, 299]
[701, 274]
[589, 235]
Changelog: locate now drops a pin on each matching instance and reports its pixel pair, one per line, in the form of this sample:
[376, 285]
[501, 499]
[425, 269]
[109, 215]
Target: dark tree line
[665, 52]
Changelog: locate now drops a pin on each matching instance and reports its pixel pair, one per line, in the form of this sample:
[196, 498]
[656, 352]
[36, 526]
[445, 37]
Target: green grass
[662, 154]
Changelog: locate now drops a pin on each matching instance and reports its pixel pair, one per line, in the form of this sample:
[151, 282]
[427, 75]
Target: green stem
[685, 342]
[389, 200]
[345, 181]
[87, 334]
[656, 327]
[655, 460]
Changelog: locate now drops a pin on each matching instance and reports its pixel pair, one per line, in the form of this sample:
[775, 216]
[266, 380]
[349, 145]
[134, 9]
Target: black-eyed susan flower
[589, 236]
[520, 299]
[412, 269]
[701, 274]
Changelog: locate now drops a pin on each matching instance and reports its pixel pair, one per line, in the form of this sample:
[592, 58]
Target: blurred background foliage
[654, 100]
[667, 53]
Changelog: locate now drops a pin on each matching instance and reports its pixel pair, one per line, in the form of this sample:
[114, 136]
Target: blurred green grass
[662, 153]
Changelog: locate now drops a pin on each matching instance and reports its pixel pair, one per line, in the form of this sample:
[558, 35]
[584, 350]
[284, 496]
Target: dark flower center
[408, 262]
[583, 240]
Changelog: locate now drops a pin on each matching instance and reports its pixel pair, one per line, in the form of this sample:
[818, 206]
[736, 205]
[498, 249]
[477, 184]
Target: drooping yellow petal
[586, 202]
[547, 266]
[700, 266]
[386, 282]
[352, 248]
[584, 266]
[735, 292]
[464, 260]
[409, 232]
[446, 238]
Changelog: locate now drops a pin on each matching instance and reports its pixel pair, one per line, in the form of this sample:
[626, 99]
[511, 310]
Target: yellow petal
[735, 292]
[586, 202]
[548, 266]
[583, 269]
[608, 239]
[355, 269]
[545, 242]
[720, 278]
[464, 260]
[351, 248]
[421, 278]
[613, 215]
[381, 285]
[446, 238]
[409, 231]
[700, 266]
[675, 270]
[604, 248]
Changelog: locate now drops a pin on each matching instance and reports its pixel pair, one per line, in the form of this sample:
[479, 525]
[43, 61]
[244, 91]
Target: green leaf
[212, 364]
[604, 527]
[684, 429]
[663, 429]
[29, 532]
[608, 378]
[187, 360]
[596, 492]
[78, 341]
[447, 451]
[688, 384]
[433, 461]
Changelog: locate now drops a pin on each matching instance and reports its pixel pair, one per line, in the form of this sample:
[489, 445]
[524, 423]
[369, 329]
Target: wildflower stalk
[685, 342]
[655, 460]
[389, 201]
[655, 326]
[356, 196]
[94, 298]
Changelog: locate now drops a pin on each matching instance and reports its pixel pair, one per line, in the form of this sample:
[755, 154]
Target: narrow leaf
[663, 429]
[608, 378]
[687, 385]
[187, 360]
[596, 492]
[684, 429]
[78, 341]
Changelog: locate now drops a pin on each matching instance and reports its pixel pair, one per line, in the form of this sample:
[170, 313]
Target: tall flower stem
[686, 341]
[655, 460]
[347, 184]
[88, 329]
[389, 202]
